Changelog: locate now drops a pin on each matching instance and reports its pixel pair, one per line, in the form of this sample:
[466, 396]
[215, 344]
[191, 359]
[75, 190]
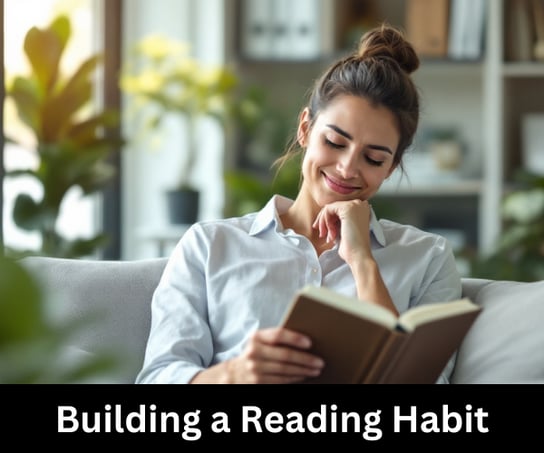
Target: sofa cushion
[505, 343]
[114, 297]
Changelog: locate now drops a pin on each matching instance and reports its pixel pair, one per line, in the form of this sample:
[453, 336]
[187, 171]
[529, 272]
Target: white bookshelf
[484, 99]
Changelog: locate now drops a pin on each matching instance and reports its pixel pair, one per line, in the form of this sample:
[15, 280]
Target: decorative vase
[183, 206]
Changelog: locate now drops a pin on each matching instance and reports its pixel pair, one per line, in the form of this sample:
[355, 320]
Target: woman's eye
[376, 163]
[333, 144]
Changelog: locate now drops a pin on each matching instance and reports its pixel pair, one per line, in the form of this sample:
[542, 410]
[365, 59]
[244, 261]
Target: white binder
[256, 29]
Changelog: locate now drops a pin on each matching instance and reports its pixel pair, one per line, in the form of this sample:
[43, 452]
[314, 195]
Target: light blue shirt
[227, 278]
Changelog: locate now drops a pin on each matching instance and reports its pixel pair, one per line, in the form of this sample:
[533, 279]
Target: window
[80, 216]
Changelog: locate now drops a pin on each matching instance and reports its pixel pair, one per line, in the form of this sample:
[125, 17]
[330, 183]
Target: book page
[421, 314]
[373, 312]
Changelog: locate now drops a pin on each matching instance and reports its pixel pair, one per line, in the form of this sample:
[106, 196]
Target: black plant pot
[183, 206]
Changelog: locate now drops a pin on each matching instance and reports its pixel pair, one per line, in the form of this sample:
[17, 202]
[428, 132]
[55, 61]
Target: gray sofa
[505, 345]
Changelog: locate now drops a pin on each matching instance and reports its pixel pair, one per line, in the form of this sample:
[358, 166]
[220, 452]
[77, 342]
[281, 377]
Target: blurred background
[204, 95]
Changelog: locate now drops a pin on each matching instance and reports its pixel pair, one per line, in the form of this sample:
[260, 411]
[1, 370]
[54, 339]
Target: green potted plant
[519, 253]
[444, 144]
[161, 78]
[73, 146]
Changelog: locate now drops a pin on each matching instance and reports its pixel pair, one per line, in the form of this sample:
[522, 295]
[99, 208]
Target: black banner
[196, 416]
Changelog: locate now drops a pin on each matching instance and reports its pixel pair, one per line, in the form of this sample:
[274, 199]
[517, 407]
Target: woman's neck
[300, 218]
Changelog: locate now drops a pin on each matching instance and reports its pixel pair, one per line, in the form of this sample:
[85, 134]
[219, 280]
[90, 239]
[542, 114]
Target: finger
[281, 336]
[331, 223]
[283, 345]
[288, 360]
[282, 370]
[321, 225]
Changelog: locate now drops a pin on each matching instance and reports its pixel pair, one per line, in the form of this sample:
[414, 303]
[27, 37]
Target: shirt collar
[278, 204]
[376, 228]
[270, 214]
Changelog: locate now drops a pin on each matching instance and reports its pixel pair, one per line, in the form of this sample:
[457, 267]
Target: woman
[216, 311]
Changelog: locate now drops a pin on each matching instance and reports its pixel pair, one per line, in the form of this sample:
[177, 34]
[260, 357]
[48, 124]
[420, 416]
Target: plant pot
[447, 154]
[183, 206]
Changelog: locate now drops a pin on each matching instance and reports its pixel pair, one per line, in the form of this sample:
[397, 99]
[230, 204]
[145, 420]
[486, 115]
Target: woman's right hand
[271, 356]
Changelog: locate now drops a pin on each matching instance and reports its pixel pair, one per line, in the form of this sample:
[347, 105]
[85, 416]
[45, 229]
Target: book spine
[457, 25]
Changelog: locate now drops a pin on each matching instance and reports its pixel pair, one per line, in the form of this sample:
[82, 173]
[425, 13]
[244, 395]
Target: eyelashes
[333, 144]
[375, 163]
[368, 159]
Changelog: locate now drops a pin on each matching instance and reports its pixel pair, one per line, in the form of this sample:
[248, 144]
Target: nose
[347, 164]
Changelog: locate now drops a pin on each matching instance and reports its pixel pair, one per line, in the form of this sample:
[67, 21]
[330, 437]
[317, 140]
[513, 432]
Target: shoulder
[212, 229]
[408, 235]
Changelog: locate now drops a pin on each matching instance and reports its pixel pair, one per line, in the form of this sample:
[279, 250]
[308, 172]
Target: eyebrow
[350, 137]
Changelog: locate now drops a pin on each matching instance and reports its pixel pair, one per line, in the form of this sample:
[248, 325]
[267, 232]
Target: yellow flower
[164, 72]
[158, 47]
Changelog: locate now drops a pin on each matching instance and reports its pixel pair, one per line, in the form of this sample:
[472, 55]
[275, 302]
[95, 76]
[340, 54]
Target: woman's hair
[379, 71]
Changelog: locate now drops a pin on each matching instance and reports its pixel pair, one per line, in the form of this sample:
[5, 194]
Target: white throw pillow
[506, 342]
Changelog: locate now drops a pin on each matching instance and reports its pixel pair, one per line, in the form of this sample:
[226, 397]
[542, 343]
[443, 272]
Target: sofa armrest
[114, 295]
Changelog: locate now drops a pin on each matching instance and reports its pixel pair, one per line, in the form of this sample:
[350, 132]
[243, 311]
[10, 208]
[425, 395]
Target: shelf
[433, 188]
[523, 69]
[448, 66]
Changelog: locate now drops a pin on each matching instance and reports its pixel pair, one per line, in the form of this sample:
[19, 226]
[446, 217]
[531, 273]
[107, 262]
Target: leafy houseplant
[519, 254]
[162, 78]
[73, 146]
[445, 147]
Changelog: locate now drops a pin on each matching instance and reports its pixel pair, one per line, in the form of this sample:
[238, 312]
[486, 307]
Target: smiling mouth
[338, 186]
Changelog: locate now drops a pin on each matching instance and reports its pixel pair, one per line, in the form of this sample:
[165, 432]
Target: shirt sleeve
[442, 283]
[180, 342]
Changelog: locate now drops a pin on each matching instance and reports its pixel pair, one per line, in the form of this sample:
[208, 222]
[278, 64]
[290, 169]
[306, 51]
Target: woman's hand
[271, 356]
[350, 221]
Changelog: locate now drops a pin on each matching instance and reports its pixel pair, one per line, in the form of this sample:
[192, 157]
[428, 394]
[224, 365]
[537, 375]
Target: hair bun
[387, 41]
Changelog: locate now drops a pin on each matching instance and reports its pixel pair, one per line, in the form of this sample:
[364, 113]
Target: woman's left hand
[349, 222]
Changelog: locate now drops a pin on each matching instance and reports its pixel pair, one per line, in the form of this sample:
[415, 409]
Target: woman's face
[349, 150]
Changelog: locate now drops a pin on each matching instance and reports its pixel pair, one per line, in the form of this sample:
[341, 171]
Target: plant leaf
[59, 109]
[26, 95]
[44, 48]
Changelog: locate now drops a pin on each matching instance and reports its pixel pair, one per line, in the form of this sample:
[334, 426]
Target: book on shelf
[286, 30]
[467, 20]
[365, 343]
[538, 18]
[256, 29]
[427, 27]
[519, 38]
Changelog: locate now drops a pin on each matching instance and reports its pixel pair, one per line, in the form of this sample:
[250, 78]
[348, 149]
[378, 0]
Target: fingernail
[319, 363]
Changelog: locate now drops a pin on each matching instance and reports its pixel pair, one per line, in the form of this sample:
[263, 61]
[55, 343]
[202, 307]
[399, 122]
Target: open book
[366, 343]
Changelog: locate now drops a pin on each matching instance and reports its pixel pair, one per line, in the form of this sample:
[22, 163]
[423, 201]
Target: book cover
[363, 342]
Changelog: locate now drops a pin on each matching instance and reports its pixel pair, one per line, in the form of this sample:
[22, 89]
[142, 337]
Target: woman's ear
[303, 127]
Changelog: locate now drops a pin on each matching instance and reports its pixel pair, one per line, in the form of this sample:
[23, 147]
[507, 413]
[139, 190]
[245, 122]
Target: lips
[339, 186]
